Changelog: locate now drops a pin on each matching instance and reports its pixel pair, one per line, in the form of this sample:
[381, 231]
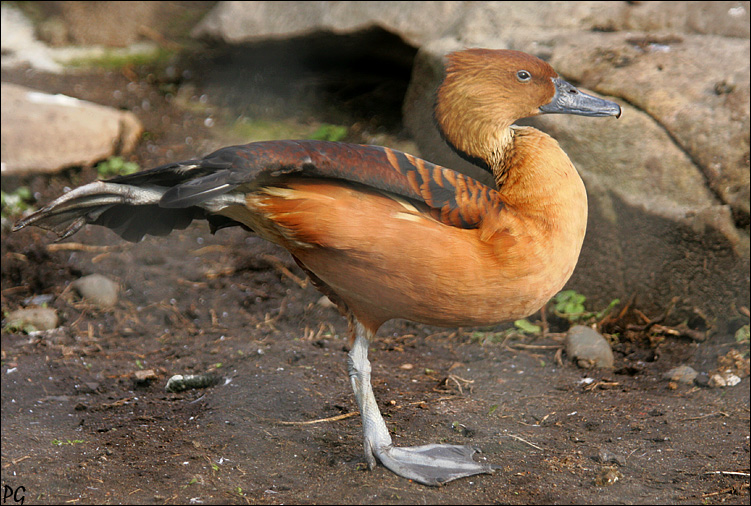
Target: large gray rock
[46, 133]
[729, 19]
[421, 22]
[478, 21]
[238, 22]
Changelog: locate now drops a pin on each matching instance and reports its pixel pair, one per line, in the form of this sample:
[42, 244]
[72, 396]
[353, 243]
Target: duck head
[485, 91]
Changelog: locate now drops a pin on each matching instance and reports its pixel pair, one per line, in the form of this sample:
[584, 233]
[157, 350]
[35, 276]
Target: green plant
[328, 132]
[115, 59]
[16, 202]
[58, 442]
[15, 326]
[569, 304]
[526, 327]
[115, 166]
[742, 335]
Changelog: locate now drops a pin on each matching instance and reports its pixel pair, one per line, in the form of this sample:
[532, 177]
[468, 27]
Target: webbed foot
[432, 464]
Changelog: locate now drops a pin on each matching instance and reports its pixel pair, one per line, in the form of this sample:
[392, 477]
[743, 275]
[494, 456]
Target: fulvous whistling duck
[385, 234]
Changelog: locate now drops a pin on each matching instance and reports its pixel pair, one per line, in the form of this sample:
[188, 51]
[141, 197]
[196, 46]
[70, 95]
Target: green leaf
[328, 132]
[16, 202]
[742, 335]
[569, 304]
[115, 166]
[526, 327]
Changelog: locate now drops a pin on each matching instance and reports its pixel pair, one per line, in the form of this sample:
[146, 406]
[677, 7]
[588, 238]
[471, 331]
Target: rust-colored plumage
[385, 234]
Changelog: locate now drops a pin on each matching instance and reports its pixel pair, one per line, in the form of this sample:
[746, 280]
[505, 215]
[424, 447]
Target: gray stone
[46, 133]
[97, 290]
[682, 374]
[722, 380]
[588, 348]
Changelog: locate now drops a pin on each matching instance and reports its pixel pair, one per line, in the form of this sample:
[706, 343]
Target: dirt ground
[79, 426]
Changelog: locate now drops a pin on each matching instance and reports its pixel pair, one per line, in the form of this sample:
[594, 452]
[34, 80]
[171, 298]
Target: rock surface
[239, 22]
[682, 374]
[36, 131]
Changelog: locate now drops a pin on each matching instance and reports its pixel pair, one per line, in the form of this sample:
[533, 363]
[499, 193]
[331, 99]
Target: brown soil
[234, 304]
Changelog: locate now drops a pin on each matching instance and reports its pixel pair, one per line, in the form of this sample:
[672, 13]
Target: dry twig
[321, 420]
[77, 246]
[524, 441]
[717, 413]
[278, 265]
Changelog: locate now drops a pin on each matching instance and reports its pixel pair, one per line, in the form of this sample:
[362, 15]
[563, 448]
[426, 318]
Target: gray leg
[430, 464]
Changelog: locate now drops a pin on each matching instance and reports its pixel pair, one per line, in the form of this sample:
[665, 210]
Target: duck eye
[523, 76]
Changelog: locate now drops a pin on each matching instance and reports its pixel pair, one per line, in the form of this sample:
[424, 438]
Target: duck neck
[531, 171]
[535, 176]
[487, 148]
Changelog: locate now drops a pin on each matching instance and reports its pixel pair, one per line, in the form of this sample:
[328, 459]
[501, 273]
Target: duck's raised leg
[429, 464]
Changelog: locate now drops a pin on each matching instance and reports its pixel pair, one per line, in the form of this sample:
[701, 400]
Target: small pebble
[39, 300]
[723, 380]
[608, 476]
[702, 380]
[326, 302]
[179, 382]
[97, 290]
[588, 348]
[682, 374]
[606, 457]
[145, 376]
[32, 318]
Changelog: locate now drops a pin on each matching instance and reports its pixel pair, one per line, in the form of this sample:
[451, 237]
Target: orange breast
[388, 258]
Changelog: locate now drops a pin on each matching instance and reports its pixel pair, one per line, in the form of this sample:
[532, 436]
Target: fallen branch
[534, 346]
